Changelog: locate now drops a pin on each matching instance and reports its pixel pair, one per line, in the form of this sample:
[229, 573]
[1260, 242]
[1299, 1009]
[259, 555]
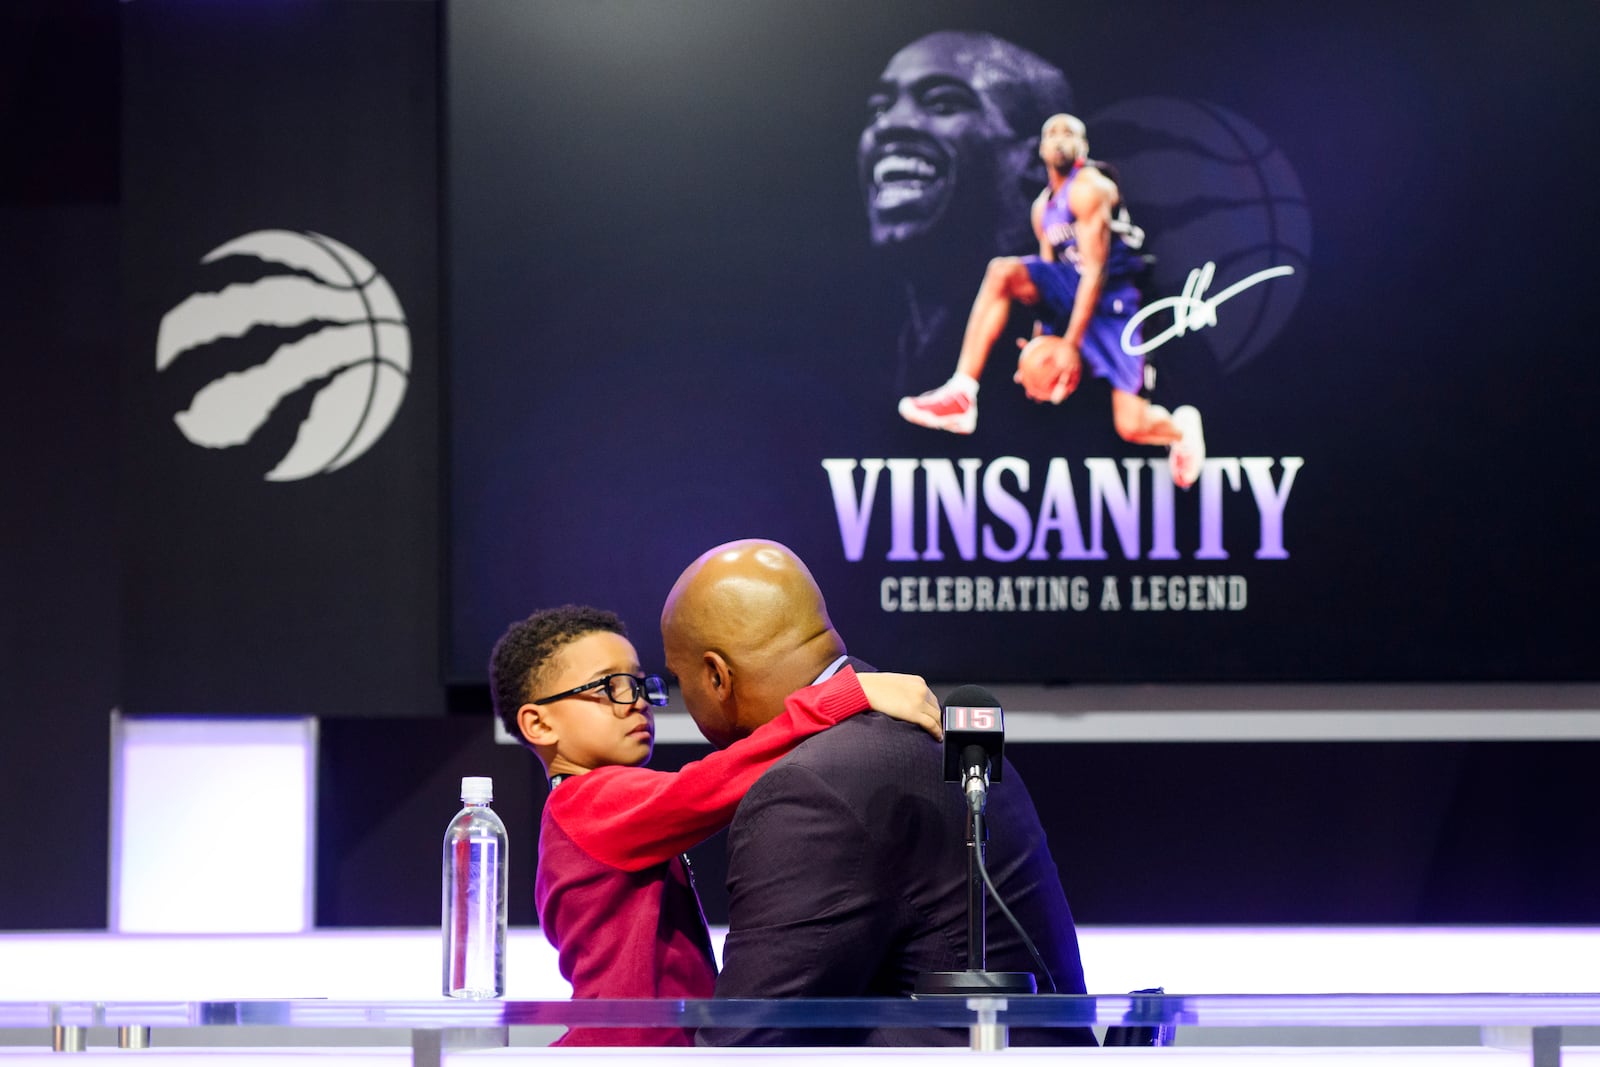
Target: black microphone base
[975, 983]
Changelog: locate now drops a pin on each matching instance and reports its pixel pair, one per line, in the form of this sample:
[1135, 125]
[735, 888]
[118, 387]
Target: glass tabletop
[1171, 1009]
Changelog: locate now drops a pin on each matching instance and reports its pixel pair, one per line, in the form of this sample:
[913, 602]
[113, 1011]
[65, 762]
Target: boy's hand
[905, 697]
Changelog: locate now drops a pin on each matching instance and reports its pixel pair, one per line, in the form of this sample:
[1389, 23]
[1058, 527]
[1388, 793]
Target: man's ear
[719, 676]
[536, 725]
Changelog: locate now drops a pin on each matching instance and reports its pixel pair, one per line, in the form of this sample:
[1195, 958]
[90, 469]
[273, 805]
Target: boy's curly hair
[523, 653]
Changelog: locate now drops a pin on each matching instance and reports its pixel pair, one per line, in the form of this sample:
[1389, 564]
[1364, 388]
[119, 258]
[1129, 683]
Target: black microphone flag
[972, 717]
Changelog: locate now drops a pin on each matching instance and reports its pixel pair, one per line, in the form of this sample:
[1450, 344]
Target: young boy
[613, 890]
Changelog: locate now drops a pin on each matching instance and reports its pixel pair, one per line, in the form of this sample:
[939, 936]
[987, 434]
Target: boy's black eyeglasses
[622, 689]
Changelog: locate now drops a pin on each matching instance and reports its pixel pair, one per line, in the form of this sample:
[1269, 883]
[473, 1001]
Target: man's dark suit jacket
[847, 876]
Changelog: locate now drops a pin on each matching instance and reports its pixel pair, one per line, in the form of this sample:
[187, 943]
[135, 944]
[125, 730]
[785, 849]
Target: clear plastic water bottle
[475, 896]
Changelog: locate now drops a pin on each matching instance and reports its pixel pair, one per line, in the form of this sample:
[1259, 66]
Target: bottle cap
[477, 790]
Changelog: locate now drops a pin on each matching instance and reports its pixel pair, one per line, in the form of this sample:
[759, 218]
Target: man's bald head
[743, 627]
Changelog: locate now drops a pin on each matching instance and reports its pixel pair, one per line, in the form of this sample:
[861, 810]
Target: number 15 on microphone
[980, 720]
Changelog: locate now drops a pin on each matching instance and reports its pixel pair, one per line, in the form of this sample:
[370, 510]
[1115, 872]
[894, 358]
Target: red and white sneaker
[1187, 456]
[953, 407]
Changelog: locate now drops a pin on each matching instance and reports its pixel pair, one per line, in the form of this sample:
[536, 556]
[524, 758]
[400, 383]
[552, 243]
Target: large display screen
[710, 264]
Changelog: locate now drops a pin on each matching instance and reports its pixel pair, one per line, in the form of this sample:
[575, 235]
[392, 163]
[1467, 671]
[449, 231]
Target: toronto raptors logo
[317, 334]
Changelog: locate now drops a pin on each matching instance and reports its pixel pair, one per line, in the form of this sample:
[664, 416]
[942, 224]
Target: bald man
[847, 869]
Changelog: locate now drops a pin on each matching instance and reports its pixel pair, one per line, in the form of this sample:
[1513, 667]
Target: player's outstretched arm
[1090, 196]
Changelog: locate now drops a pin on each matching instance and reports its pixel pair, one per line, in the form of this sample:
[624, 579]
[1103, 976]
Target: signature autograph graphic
[1192, 310]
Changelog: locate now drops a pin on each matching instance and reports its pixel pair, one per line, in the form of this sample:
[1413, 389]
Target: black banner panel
[282, 369]
[708, 260]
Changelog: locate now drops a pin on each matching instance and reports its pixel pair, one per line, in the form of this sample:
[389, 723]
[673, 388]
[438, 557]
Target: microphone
[974, 740]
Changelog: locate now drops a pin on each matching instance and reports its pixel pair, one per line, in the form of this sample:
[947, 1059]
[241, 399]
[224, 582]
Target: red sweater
[613, 894]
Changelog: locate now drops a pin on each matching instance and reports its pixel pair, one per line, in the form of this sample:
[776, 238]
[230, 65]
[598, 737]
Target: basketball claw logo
[1216, 196]
[357, 354]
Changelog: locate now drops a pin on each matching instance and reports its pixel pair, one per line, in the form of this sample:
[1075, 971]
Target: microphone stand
[977, 934]
[977, 980]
